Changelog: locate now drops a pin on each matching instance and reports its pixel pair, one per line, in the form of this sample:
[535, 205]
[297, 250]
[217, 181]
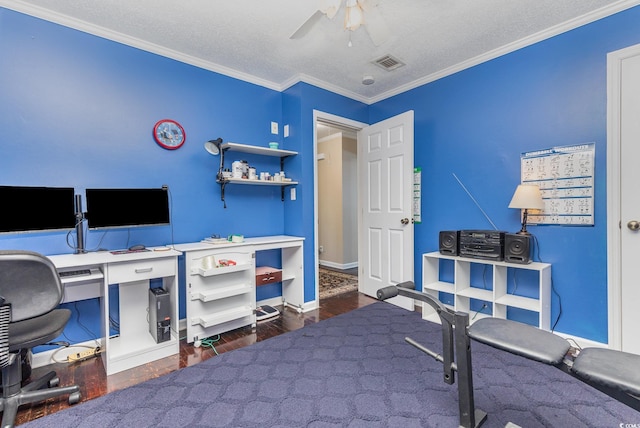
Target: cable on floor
[209, 341]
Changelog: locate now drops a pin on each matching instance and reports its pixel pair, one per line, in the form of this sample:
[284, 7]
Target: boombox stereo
[482, 244]
[487, 244]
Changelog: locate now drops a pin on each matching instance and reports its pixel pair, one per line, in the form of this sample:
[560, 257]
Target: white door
[623, 172]
[385, 183]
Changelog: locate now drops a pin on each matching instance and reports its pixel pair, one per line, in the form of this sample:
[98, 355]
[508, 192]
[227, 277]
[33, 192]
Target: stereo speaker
[517, 248]
[449, 242]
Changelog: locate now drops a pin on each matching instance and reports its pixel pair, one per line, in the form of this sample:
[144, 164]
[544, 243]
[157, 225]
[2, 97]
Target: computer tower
[159, 314]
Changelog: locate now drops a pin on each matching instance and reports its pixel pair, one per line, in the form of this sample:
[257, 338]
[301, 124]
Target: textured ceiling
[250, 39]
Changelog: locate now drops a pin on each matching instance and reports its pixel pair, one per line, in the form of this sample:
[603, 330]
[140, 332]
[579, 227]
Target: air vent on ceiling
[388, 62]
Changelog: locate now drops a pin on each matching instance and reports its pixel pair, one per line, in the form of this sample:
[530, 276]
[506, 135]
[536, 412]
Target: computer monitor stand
[79, 226]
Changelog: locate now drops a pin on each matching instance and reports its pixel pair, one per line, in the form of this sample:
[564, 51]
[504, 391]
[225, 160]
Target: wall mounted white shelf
[497, 296]
[255, 150]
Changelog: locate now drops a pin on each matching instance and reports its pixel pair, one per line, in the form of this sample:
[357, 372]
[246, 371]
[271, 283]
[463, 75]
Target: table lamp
[526, 197]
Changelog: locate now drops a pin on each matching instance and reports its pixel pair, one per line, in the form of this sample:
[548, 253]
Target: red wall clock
[169, 134]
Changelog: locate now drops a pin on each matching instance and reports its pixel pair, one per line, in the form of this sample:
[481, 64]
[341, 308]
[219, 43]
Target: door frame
[341, 122]
[614, 199]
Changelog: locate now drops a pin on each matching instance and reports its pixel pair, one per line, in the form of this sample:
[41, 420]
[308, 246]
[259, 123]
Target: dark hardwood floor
[93, 382]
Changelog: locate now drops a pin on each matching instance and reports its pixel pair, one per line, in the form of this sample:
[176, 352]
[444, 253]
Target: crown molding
[124, 39]
[512, 47]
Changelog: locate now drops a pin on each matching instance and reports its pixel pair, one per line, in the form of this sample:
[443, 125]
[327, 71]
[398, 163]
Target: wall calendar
[565, 176]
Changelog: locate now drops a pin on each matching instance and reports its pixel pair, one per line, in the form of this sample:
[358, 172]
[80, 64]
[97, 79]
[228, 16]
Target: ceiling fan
[356, 13]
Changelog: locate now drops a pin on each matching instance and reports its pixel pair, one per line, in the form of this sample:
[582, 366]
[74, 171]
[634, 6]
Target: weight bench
[615, 373]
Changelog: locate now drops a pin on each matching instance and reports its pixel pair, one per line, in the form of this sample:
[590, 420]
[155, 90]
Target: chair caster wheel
[54, 382]
[74, 398]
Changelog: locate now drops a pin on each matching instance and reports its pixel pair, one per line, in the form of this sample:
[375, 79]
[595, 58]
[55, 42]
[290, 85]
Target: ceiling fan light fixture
[353, 16]
[330, 7]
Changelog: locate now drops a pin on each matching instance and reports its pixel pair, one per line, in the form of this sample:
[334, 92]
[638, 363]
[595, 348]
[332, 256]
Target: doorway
[336, 206]
[394, 138]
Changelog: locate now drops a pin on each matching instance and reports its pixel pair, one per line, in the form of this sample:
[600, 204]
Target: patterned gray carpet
[352, 370]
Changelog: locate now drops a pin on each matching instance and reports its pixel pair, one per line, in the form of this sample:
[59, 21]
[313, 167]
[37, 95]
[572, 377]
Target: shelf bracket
[223, 184]
[220, 178]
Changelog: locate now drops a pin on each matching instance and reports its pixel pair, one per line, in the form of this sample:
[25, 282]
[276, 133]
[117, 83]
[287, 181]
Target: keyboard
[129, 251]
[79, 272]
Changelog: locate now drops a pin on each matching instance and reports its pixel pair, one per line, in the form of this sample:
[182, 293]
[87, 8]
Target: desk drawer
[140, 270]
[267, 275]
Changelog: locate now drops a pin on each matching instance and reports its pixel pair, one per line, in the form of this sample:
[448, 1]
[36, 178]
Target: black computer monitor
[36, 209]
[113, 208]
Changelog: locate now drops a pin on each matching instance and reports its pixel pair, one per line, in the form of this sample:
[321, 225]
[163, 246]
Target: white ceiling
[249, 39]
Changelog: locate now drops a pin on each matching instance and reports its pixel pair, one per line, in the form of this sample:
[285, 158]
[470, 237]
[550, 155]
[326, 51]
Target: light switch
[293, 193]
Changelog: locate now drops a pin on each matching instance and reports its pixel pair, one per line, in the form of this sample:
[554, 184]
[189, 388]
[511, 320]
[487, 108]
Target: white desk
[223, 299]
[134, 345]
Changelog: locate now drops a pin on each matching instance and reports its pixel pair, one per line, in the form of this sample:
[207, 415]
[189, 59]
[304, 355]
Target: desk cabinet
[496, 295]
[131, 274]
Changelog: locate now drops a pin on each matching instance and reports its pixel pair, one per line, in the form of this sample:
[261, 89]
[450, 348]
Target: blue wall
[477, 122]
[77, 110]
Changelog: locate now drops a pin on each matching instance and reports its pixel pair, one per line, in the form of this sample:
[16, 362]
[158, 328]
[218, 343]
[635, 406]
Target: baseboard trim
[340, 266]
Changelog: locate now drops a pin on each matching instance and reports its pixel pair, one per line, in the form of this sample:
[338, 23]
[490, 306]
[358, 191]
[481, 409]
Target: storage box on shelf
[497, 296]
[268, 275]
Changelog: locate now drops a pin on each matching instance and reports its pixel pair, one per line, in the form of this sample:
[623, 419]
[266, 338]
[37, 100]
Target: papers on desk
[216, 241]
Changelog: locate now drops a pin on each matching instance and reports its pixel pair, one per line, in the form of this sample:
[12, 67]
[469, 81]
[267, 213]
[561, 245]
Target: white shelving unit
[219, 299]
[497, 296]
[224, 298]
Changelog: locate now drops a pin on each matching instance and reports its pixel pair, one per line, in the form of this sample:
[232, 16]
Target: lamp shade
[527, 196]
[212, 146]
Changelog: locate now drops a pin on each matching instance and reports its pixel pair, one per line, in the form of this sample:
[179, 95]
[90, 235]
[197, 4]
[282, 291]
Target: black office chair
[30, 292]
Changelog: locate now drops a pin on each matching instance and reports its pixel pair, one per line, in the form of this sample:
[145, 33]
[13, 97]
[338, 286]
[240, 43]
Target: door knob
[404, 221]
[633, 225]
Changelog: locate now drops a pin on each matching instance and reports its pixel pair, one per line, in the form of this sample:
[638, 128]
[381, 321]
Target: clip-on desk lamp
[213, 147]
[526, 197]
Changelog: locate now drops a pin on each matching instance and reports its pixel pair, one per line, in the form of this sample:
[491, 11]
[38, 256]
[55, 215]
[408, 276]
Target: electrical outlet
[81, 356]
[274, 128]
[293, 193]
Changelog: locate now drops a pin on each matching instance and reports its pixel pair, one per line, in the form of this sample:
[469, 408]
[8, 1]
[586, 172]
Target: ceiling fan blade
[308, 24]
[376, 26]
